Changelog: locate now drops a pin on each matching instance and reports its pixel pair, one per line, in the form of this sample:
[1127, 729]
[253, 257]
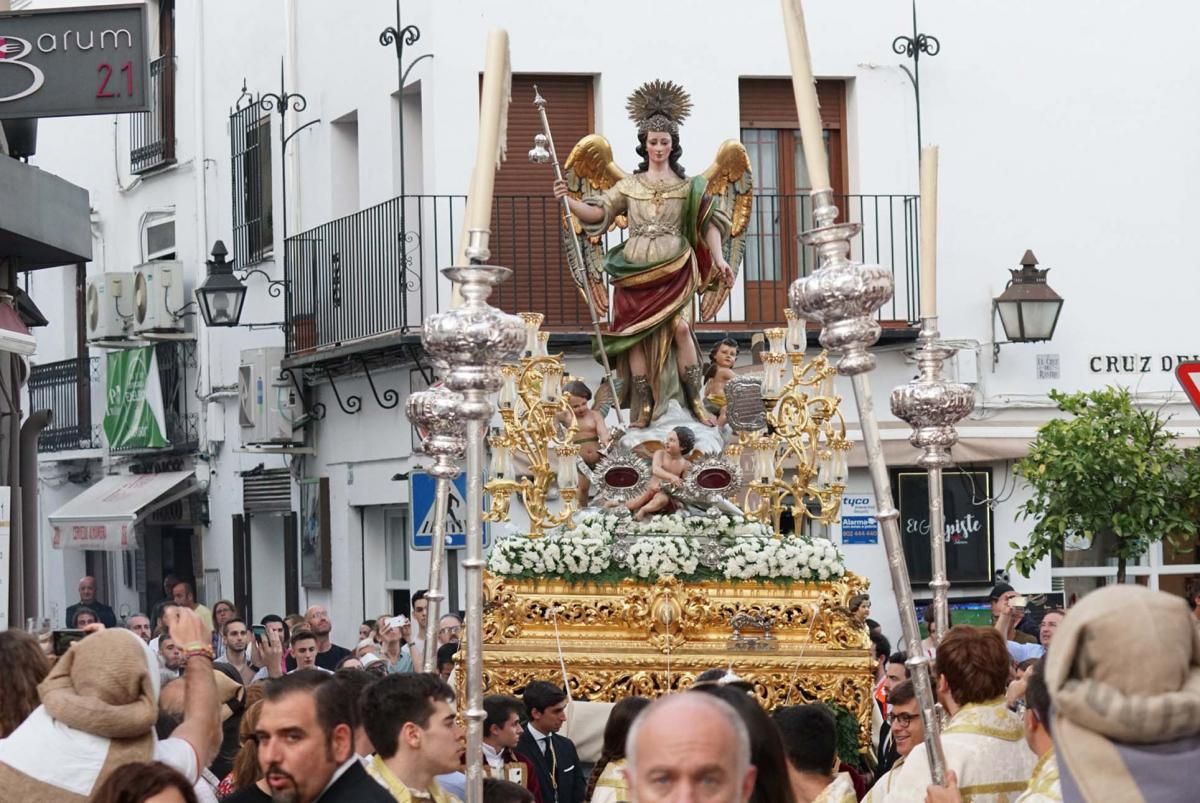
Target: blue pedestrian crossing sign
[422, 491]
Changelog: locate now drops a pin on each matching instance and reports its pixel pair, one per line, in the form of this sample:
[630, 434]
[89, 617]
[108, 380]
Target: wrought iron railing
[152, 133]
[375, 272]
[64, 388]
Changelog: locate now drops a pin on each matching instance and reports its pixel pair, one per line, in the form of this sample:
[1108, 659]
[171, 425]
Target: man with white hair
[689, 747]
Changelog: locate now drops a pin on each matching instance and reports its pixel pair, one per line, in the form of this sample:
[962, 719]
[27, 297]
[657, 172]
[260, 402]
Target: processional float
[469, 343]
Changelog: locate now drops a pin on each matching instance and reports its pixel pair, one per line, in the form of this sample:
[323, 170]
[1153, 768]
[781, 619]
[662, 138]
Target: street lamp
[1028, 307]
[222, 295]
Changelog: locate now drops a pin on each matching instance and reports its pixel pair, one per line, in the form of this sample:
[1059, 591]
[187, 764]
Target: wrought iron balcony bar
[64, 388]
[374, 272]
[152, 133]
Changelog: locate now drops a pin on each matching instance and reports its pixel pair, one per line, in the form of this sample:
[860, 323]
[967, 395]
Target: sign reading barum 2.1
[68, 62]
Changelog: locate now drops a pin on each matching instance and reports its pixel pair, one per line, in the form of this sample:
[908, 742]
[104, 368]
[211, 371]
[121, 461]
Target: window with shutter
[770, 131]
[526, 224]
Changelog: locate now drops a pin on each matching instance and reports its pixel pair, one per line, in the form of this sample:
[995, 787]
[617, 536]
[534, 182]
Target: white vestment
[878, 792]
[985, 745]
[1043, 786]
[840, 791]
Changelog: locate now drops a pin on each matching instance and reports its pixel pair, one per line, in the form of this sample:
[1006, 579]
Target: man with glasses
[907, 732]
[449, 628]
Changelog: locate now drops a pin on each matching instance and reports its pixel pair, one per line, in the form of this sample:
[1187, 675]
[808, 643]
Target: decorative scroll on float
[793, 643]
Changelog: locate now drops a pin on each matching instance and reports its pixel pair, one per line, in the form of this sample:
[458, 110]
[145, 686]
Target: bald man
[87, 599]
[689, 747]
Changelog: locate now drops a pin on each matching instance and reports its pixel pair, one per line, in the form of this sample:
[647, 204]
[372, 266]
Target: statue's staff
[541, 154]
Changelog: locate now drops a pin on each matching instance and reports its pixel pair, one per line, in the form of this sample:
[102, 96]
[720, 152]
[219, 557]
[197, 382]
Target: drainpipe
[30, 529]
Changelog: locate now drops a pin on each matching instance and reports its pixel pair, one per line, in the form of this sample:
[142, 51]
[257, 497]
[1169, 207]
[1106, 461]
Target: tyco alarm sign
[859, 525]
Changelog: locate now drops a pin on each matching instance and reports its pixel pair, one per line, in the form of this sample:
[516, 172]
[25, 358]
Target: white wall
[1047, 142]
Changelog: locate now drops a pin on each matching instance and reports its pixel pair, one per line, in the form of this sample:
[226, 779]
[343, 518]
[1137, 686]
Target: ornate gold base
[793, 643]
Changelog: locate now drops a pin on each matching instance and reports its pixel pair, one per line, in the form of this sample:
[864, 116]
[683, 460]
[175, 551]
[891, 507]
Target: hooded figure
[1126, 728]
[99, 706]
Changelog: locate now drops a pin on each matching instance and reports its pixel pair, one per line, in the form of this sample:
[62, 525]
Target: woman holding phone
[393, 654]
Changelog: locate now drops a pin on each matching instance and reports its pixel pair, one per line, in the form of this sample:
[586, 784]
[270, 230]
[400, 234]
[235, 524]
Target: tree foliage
[1108, 471]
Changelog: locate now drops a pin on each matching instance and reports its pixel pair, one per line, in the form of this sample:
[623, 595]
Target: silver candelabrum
[933, 406]
[435, 414]
[471, 341]
[843, 296]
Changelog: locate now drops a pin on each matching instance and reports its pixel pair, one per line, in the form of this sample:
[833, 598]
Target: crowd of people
[170, 709]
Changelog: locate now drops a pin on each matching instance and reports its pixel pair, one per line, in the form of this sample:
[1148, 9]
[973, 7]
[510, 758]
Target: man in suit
[554, 757]
[87, 599]
[897, 673]
[305, 740]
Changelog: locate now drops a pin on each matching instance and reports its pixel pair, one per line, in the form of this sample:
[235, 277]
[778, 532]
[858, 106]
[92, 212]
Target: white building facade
[1047, 143]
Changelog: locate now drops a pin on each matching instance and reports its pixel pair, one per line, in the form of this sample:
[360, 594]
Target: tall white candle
[929, 171]
[492, 110]
[805, 88]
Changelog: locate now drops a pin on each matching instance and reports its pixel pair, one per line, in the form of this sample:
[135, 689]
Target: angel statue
[685, 240]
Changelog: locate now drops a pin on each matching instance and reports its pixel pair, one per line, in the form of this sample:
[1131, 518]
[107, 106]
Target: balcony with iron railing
[374, 273]
[152, 133]
[65, 388]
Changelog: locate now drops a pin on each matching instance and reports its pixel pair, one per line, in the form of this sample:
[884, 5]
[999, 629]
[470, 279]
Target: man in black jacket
[87, 599]
[554, 758]
[306, 742]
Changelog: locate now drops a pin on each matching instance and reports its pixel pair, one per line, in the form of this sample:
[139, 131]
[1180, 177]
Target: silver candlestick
[436, 412]
[472, 341]
[933, 406]
[843, 297]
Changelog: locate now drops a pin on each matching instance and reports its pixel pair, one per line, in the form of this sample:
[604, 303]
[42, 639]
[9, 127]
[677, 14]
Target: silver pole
[472, 341]
[435, 595]
[576, 264]
[436, 412]
[473, 567]
[918, 661]
[843, 296]
[933, 406]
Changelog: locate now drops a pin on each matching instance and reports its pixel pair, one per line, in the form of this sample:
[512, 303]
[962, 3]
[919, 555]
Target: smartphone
[260, 633]
[1019, 602]
[397, 621]
[63, 639]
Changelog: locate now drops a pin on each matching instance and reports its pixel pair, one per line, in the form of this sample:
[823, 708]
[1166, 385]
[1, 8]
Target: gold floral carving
[641, 637]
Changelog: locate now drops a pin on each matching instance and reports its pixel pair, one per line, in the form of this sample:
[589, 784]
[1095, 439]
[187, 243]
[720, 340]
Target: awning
[103, 516]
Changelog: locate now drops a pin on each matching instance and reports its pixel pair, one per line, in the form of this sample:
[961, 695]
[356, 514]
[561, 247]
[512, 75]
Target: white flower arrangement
[789, 557]
[667, 545]
[654, 556]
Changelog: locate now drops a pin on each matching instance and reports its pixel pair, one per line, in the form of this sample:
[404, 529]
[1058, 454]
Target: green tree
[1108, 471]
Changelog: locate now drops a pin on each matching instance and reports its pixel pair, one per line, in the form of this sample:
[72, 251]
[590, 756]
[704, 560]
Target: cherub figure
[719, 371]
[592, 434]
[670, 465]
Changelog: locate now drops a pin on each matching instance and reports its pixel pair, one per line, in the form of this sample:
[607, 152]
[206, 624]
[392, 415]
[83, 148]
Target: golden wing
[731, 185]
[590, 171]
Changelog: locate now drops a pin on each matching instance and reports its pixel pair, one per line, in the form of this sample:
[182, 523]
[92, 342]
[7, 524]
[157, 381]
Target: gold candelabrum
[801, 456]
[538, 432]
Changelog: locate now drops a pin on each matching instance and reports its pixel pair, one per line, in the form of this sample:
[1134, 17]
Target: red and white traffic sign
[1188, 374]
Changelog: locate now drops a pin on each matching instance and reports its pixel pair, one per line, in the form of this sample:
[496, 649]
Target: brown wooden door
[782, 209]
[525, 215]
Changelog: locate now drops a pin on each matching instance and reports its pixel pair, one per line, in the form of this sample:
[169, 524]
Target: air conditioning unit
[267, 402]
[110, 307]
[158, 297]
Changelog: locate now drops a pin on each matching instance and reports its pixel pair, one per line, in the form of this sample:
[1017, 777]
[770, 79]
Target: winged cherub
[685, 239]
